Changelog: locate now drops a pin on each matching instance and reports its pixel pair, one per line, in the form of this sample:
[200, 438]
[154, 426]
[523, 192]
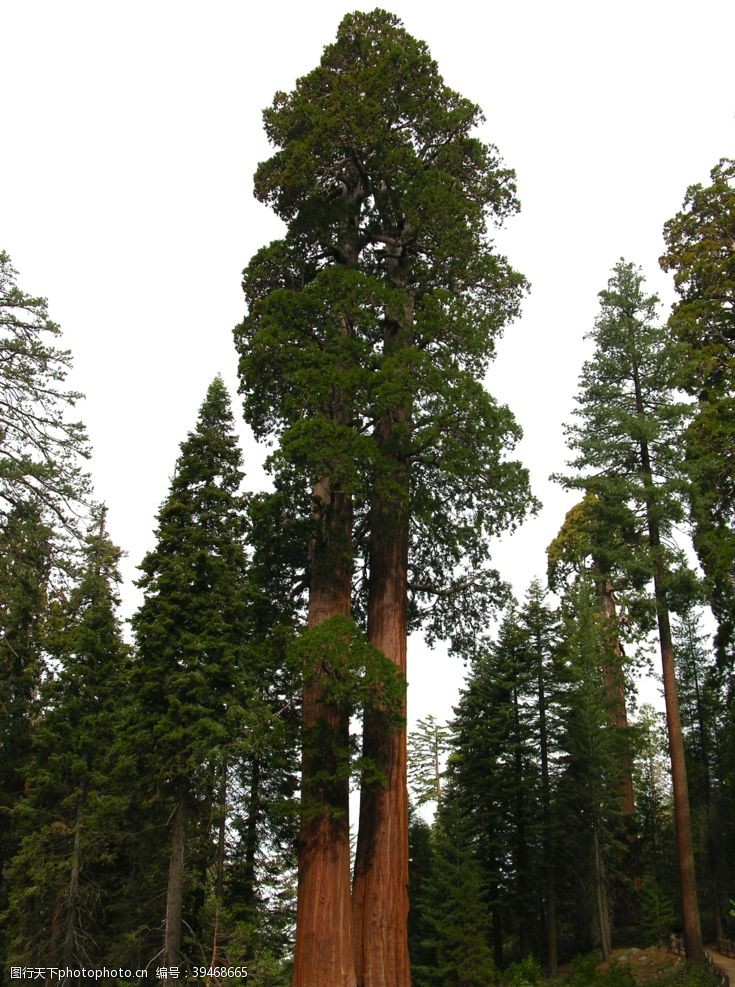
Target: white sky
[130, 134]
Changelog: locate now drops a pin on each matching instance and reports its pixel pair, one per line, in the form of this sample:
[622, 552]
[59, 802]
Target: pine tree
[628, 439]
[375, 318]
[190, 676]
[61, 877]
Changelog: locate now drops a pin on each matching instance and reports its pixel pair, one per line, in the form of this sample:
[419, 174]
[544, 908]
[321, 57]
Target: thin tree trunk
[521, 838]
[250, 838]
[601, 899]
[219, 879]
[682, 818]
[175, 890]
[710, 837]
[380, 890]
[71, 931]
[548, 841]
[614, 681]
[323, 950]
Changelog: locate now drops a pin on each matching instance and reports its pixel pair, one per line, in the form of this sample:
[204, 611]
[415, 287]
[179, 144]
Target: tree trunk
[175, 891]
[547, 840]
[380, 890]
[380, 896]
[682, 818]
[69, 954]
[614, 681]
[323, 950]
[601, 899]
[250, 839]
[219, 880]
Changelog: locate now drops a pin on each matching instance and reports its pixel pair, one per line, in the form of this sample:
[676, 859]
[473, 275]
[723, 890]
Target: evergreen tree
[25, 564]
[375, 318]
[455, 914]
[428, 745]
[588, 786]
[41, 450]
[497, 784]
[62, 876]
[190, 676]
[699, 253]
[627, 438]
[701, 703]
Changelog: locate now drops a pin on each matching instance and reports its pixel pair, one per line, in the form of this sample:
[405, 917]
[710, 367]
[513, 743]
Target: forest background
[138, 187]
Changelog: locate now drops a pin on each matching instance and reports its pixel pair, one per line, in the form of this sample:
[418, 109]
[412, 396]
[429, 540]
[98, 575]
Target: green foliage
[699, 253]
[62, 876]
[372, 321]
[524, 973]
[354, 675]
[690, 975]
[428, 746]
[454, 915]
[41, 449]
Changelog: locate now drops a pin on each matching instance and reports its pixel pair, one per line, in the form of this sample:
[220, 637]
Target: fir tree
[190, 675]
[627, 439]
[62, 876]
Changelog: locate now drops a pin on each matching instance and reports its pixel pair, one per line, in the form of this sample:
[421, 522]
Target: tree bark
[380, 895]
[380, 889]
[323, 950]
[175, 890]
[614, 682]
[219, 879]
[69, 954]
[601, 898]
[682, 818]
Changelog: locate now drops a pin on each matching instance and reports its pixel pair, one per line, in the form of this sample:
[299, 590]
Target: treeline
[148, 790]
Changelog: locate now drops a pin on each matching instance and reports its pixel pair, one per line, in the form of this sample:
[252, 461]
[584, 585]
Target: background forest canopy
[179, 797]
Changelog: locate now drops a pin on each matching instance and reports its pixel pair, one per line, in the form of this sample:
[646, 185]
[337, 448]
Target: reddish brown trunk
[380, 896]
[614, 681]
[323, 951]
[380, 890]
[682, 820]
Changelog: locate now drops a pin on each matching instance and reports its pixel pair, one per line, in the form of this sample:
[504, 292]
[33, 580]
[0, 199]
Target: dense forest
[175, 802]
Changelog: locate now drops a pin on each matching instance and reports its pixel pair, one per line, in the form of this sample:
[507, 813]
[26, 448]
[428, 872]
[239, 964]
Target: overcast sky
[130, 134]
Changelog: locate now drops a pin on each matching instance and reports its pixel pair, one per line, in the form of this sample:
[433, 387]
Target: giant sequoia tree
[370, 327]
[627, 438]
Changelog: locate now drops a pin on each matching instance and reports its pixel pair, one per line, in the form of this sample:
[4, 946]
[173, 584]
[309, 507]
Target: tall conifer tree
[62, 876]
[190, 674]
[627, 438]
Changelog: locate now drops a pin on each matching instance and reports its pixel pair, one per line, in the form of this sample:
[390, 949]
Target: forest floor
[646, 965]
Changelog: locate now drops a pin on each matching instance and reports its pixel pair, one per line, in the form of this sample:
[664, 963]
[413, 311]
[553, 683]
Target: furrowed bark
[380, 890]
[323, 951]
